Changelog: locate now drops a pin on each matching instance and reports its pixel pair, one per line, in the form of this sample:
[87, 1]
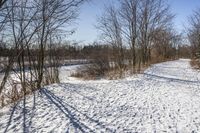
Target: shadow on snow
[72, 113]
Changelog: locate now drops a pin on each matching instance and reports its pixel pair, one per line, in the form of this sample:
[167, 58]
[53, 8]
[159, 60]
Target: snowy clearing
[166, 98]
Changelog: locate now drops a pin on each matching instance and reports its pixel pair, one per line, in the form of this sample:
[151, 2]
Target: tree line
[194, 33]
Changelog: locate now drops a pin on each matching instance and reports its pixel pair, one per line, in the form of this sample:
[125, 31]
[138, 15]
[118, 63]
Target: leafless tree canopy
[137, 24]
[34, 29]
[194, 33]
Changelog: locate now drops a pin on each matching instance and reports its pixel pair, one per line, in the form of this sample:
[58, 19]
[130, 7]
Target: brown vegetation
[195, 63]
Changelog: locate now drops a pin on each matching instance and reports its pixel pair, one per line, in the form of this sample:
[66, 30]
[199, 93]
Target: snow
[65, 72]
[166, 98]
[180, 69]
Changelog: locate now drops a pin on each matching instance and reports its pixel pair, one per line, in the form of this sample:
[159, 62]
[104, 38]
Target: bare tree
[111, 29]
[137, 22]
[165, 43]
[53, 15]
[129, 17]
[194, 33]
[32, 27]
[153, 14]
[2, 2]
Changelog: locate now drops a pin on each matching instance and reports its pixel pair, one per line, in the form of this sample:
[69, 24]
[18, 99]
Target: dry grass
[96, 71]
[113, 73]
[89, 72]
[15, 93]
[195, 63]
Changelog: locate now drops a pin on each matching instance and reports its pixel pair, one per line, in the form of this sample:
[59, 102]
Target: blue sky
[85, 25]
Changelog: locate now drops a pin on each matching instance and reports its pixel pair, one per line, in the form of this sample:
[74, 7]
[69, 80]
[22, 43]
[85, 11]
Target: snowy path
[164, 99]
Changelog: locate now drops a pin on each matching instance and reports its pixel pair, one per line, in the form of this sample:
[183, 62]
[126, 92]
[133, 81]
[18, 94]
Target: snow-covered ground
[166, 98]
[65, 72]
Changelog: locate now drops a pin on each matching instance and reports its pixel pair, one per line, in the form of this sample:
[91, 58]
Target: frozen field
[166, 98]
